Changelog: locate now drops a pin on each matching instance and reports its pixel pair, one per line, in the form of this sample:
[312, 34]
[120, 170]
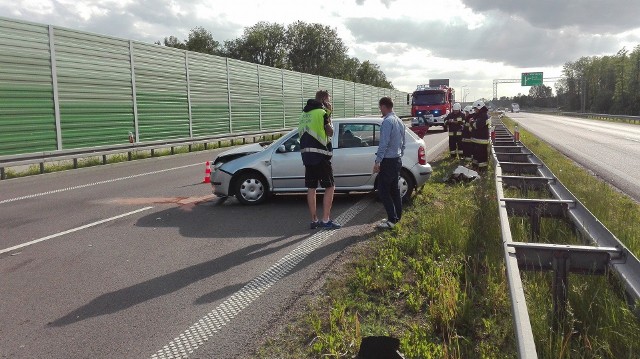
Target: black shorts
[321, 172]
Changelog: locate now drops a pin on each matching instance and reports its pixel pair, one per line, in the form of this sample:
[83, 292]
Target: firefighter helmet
[478, 104]
[456, 106]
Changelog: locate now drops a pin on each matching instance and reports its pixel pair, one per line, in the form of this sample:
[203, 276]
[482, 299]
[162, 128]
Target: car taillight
[422, 156]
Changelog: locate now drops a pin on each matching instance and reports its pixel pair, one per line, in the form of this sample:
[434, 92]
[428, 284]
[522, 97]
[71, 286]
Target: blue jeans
[388, 189]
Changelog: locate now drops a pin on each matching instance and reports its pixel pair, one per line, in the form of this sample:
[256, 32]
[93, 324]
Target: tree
[349, 69]
[201, 40]
[173, 41]
[370, 74]
[314, 49]
[264, 43]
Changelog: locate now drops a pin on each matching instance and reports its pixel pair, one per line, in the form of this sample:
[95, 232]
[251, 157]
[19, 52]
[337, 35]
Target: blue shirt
[392, 138]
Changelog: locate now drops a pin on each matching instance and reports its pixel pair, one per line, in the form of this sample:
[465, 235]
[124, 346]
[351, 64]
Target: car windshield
[428, 98]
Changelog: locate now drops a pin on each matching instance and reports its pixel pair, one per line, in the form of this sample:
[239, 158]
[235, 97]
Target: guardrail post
[41, 167]
[560, 287]
[229, 97]
[3, 175]
[284, 110]
[75, 163]
[104, 159]
[259, 99]
[54, 82]
[129, 156]
[186, 69]
[173, 151]
[134, 96]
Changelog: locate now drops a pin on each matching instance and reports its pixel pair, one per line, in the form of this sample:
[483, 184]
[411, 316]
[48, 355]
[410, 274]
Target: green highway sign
[531, 79]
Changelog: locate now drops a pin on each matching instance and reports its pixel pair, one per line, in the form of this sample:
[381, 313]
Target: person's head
[323, 96]
[386, 105]
[456, 107]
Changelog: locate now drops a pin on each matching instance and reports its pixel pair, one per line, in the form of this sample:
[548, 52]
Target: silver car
[253, 171]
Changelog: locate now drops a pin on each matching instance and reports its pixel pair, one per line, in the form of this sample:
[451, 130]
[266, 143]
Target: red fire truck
[430, 104]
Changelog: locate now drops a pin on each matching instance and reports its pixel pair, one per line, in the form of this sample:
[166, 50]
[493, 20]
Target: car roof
[358, 119]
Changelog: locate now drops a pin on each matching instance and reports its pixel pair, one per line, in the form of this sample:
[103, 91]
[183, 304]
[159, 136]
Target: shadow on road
[127, 297]
[315, 256]
[280, 215]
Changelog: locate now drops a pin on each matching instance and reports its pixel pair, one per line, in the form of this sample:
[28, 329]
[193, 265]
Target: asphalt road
[136, 259]
[611, 150]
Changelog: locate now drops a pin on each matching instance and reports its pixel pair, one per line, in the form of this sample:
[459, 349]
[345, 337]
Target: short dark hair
[386, 101]
[321, 95]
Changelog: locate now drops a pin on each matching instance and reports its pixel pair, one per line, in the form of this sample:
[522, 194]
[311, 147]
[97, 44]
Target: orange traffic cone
[517, 134]
[207, 173]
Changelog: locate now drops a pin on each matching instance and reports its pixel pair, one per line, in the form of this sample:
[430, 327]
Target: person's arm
[328, 126]
[385, 133]
[404, 140]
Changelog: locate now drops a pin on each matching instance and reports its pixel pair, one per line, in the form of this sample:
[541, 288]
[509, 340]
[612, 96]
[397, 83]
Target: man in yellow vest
[315, 133]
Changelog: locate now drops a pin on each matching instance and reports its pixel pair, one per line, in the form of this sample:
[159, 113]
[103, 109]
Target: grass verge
[599, 324]
[619, 213]
[436, 282]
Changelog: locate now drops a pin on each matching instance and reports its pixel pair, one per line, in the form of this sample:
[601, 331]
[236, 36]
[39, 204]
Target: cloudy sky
[471, 42]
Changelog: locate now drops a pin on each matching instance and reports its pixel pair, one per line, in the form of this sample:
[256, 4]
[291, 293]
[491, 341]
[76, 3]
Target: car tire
[251, 188]
[407, 185]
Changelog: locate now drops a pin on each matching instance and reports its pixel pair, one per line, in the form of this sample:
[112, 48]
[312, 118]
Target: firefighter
[480, 135]
[454, 122]
[467, 146]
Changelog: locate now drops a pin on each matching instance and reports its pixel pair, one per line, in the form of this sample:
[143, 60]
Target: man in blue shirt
[389, 162]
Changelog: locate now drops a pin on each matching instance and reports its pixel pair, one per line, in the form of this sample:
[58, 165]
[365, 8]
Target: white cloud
[470, 41]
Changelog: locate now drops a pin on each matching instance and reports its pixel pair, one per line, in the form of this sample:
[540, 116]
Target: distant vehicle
[435, 99]
[252, 172]
[515, 107]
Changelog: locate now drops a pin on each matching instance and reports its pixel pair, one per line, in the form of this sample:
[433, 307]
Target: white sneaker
[386, 225]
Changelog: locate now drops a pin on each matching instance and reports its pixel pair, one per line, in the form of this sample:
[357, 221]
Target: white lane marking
[94, 184]
[201, 331]
[632, 139]
[435, 148]
[72, 230]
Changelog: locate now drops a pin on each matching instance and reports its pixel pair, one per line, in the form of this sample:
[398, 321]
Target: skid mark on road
[94, 184]
[200, 332]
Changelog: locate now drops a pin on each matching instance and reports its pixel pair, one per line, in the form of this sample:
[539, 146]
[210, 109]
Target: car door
[354, 155]
[287, 170]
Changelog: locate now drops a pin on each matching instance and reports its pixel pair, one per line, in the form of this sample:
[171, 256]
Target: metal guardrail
[43, 157]
[604, 252]
[600, 116]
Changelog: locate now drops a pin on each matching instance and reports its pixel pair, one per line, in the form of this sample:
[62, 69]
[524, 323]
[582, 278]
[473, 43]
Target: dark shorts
[321, 172]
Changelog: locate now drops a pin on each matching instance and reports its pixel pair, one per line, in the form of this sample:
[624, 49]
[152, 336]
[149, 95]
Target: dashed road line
[201, 331]
[94, 184]
[72, 230]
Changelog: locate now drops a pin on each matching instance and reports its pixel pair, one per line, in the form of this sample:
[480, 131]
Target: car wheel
[406, 185]
[251, 188]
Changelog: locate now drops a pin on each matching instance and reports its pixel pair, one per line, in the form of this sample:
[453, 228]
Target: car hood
[240, 151]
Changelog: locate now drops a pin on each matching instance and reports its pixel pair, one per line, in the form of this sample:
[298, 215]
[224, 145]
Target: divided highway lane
[611, 150]
[127, 287]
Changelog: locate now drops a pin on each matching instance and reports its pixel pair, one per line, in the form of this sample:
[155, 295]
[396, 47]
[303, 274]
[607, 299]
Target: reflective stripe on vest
[317, 150]
[480, 141]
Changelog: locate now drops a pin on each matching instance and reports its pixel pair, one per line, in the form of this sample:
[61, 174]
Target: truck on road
[430, 104]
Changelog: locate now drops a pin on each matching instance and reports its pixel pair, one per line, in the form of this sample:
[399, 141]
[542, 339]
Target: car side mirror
[281, 149]
[408, 99]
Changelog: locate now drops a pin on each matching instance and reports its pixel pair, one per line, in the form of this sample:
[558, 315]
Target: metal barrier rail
[622, 118]
[603, 254]
[104, 151]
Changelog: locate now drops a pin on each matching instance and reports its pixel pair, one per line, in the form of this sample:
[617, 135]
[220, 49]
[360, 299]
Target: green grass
[599, 324]
[619, 213]
[436, 282]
